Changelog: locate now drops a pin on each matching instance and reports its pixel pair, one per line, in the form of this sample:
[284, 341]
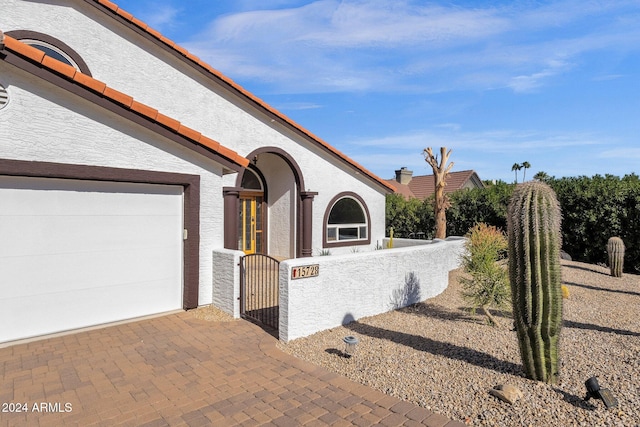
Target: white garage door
[80, 253]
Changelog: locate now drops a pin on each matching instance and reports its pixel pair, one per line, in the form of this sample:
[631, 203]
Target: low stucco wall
[226, 280]
[352, 286]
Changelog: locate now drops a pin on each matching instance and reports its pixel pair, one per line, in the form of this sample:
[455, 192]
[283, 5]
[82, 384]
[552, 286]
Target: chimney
[403, 176]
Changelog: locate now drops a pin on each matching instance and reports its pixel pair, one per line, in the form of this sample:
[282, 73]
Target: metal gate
[259, 290]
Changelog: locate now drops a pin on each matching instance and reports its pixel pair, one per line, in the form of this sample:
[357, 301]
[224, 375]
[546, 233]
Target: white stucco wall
[55, 126]
[133, 65]
[352, 286]
[226, 280]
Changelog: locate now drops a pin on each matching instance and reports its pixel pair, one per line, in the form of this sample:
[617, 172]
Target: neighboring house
[423, 186]
[125, 160]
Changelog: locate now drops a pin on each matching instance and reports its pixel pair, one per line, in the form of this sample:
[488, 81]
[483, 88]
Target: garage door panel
[55, 312]
[77, 233]
[71, 257]
[74, 272]
[99, 197]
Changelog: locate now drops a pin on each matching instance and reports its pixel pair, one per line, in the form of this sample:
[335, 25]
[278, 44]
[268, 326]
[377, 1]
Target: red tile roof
[423, 186]
[194, 60]
[120, 98]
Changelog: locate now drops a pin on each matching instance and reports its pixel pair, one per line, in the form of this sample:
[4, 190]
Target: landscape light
[604, 394]
[350, 344]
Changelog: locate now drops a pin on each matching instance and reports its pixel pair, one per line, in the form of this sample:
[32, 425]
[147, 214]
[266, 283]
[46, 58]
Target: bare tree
[440, 173]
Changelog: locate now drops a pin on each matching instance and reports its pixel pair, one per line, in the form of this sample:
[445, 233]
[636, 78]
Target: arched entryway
[268, 210]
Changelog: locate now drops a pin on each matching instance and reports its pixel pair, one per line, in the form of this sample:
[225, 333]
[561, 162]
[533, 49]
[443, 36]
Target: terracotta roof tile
[25, 50]
[193, 58]
[144, 110]
[189, 133]
[168, 42]
[122, 99]
[241, 90]
[182, 50]
[167, 121]
[119, 97]
[140, 23]
[209, 143]
[59, 67]
[90, 82]
[154, 33]
[126, 15]
[423, 186]
[108, 4]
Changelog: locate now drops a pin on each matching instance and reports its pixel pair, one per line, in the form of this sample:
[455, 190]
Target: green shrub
[594, 209]
[487, 285]
[409, 217]
[472, 206]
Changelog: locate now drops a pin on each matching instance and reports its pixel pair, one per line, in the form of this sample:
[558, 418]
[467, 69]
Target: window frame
[60, 47]
[326, 243]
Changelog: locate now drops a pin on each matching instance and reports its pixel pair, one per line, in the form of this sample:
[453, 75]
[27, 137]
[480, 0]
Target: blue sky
[554, 83]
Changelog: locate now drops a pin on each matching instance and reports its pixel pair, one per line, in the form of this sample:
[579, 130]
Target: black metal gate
[259, 290]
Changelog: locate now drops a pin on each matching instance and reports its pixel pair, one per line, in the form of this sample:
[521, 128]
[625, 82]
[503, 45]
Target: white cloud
[626, 153]
[159, 16]
[297, 106]
[409, 46]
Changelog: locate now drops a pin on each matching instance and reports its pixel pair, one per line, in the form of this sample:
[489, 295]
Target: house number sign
[304, 271]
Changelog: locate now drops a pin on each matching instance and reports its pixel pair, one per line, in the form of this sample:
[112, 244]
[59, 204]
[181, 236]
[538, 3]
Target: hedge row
[594, 209]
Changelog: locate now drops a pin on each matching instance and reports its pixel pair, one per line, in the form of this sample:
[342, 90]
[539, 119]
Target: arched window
[251, 180]
[347, 221]
[52, 47]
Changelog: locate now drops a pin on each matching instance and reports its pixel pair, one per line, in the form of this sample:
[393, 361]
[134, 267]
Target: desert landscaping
[439, 355]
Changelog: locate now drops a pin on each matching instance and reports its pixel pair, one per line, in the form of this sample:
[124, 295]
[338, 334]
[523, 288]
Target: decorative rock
[565, 256]
[506, 393]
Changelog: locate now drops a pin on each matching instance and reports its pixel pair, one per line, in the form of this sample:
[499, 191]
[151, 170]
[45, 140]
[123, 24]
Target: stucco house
[423, 186]
[125, 160]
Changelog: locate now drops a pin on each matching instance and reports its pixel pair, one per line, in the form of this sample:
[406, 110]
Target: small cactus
[615, 249]
[533, 225]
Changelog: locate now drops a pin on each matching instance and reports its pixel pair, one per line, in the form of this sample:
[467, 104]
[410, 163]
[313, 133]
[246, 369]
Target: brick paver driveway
[178, 370]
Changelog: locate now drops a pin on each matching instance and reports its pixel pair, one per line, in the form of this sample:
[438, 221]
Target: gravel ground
[438, 355]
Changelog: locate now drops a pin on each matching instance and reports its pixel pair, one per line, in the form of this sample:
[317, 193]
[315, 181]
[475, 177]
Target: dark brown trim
[297, 172]
[112, 106]
[231, 196]
[325, 243]
[34, 35]
[306, 218]
[191, 200]
[299, 178]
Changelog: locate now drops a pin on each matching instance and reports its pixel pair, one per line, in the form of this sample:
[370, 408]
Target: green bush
[472, 206]
[409, 217]
[594, 209]
[487, 285]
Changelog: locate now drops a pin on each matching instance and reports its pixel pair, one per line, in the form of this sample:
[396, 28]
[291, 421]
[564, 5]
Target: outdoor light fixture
[604, 394]
[350, 344]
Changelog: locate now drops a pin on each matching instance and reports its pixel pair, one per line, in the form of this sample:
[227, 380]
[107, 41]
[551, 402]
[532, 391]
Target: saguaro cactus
[615, 248]
[533, 226]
